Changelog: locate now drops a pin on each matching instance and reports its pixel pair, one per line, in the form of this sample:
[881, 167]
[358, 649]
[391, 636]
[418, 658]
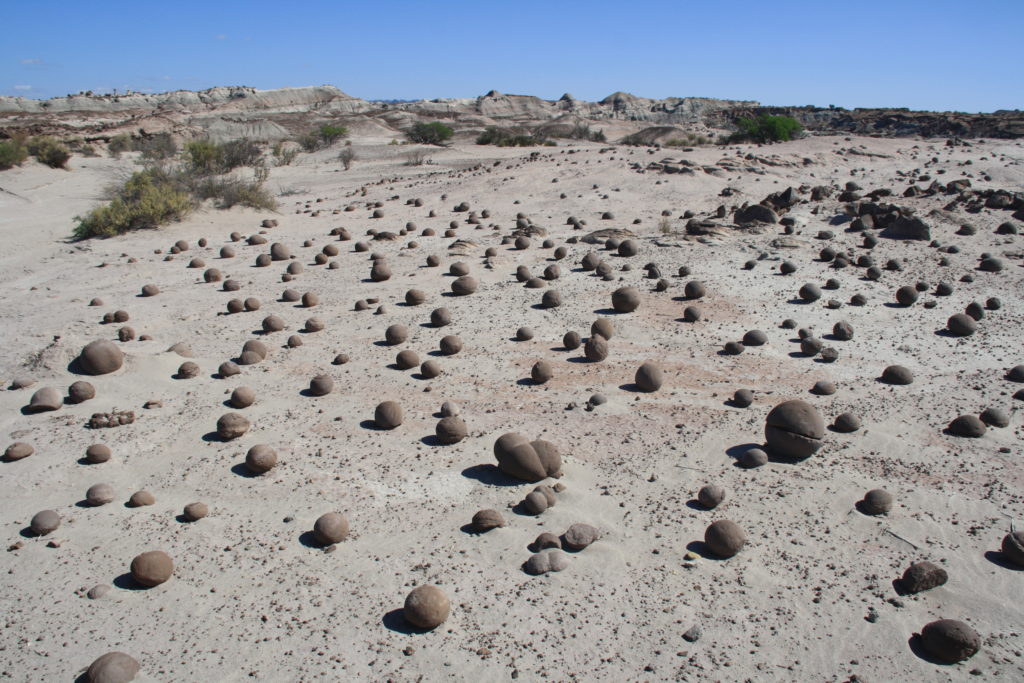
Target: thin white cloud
[23, 87]
[221, 36]
[32, 62]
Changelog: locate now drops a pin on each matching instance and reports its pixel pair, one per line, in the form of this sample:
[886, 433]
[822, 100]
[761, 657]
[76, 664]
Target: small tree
[12, 153]
[346, 157]
[766, 128]
[430, 133]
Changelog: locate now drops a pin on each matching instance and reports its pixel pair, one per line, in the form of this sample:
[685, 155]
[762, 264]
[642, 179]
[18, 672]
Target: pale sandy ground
[250, 601]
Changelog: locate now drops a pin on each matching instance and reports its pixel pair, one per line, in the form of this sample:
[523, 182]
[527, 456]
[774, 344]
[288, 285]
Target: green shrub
[766, 128]
[146, 200]
[505, 137]
[284, 153]
[49, 151]
[229, 192]
[433, 133]
[203, 157]
[210, 158]
[324, 136]
[157, 147]
[119, 144]
[12, 153]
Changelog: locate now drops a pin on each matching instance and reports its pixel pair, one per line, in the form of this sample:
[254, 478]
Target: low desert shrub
[147, 199]
[322, 137]
[434, 133]
[507, 137]
[765, 128]
[12, 153]
[156, 147]
[346, 157]
[284, 152]
[49, 151]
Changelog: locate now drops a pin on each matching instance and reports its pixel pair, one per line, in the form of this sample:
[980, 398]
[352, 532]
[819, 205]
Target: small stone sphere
[603, 327]
[18, 450]
[811, 346]
[897, 374]
[314, 324]
[464, 285]
[231, 426]
[194, 512]
[188, 370]
[242, 397]
[649, 377]
[235, 306]
[396, 334]
[755, 338]
[725, 538]
[596, 349]
[113, 667]
[260, 459]
[694, 290]
[440, 317]
[100, 357]
[551, 299]
[80, 391]
[626, 299]
[950, 640]
[141, 499]
[876, 502]
[450, 430]
[571, 340]
[450, 345]
[431, 369]
[99, 494]
[794, 429]
[969, 426]
[415, 297]
[485, 520]
[994, 417]
[823, 387]
[387, 415]
[691, 314]
[272, 323]
[150, 290]
[743, 398]
[407, 359]
[44, 522]
[547, 540]
[330, 528]
[310, 299]
[710, 496]
[524, 334]
[961, 325]
[98, 453]
[321, 385]
[541, 372]
[754, 457]
[152, 568]
[426, 607]
[733, 348]
[846, 423]
[787, 267]
[1013, 547]
[810, 292]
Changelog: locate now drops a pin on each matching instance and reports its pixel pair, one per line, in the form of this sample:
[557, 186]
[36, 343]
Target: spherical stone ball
[260, 459]
[961, 325]
[431, 369]
[100, 357]
[691, 314]
[231, 426]
[649, 377]
[579, 536]
[823, 387]
[188, 370]
[551, 299]
[330, 528]
[530, 461]
[733, 348]
[450, 430]
[235, 306]
[407, 359]
[396, 334]
[950, 640]
[440, 317]
[524, 334]
[98, 453]
[212, 275]
[710, 496]
[794, 429]
[290, 295]
[79, 392]
[753, 457]
[464, 285]
[141, 499]
[969, 426]
[923, 576]
[1016, 373]
[310, 299]
[842, 330]
[426, 607]
[811, 346]
[263, 260]
[150, 290]
[242, 397]
[44, 522]
[596, 349]
[628, 247]
[194, 512]
[846, 423]
[113, 667]
[280, 252]
[380, 272]
[694, 290]
[755, 338]
[787, 267]
[552, 272]
[450, 345]
[994, 417]
[743, 398]
[1013, 547]
[99, 494]
[450, 409]
[485, 520]
[897, 374]
[603, 327]
[541, 372]
[876, 502]
[725, 538]
[152, 568]
[44, 400]
[272, 323]
[314, 324]
[387, 415]
[810, 292]
[626, 299]
[571, 340]
[17, 451]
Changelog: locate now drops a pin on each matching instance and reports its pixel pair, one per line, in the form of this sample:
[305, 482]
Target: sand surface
[809, 598]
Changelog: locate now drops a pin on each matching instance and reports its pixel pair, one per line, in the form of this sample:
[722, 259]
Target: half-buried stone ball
[194, 512]
[876, 502]
[733, 348]
[923, 576]
[969, 426]
[526, 460]
[152, 568]
[711, 496]
[810, 292]
[330, 528]
[99, 494]
[691, 314]
[113, 667]
[272, 323]
[450, 430]
[1013, 547]
[603, 327]
[80, 392]
[380, 272]
[794, 430]
[242, 397]
[150, 290]
[547, 560]
[188, 370]
[464, 285]
[725, 538]
[100, 357]
[755, 338]
[440, 317]
[897, 374]
[426, 607]
[961, 325]
[626, 299]
[950, 640]
[753, 458]
[98, 453]
[485, 520]
[551, 299]
[321, 385]
[994, 417]
[846, 423]
[649, 377]
[18, 451]
[524, 334]
[231, 426]
[579, 536]
[44, 522]
[44, 400]
[907, 295]
[387, 415]
[415, 297]
[431, 369]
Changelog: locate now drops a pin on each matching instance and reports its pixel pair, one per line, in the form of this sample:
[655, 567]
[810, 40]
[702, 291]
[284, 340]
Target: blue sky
[936, 55]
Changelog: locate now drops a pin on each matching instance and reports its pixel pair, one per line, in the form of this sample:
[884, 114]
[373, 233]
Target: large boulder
[794, 430]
